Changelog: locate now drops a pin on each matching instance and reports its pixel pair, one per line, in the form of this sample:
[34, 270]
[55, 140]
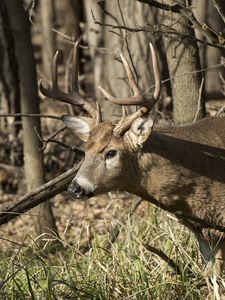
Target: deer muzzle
[78, 192]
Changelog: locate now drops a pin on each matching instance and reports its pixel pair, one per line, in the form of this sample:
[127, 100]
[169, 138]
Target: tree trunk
[48, 36]
[9, 88]
[207, 13]
[135, 48]
[74, 16]
[33, 162]
[95, 42]
[183, 58]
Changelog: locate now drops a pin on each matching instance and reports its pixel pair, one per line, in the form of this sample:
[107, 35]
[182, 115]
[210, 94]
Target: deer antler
[138, 98]
[74, 97]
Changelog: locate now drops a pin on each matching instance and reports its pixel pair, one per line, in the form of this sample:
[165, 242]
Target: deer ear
[81, 126]
[140, 130]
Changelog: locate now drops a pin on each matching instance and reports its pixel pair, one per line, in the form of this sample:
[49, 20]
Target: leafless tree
[9, 88]
[33, 158]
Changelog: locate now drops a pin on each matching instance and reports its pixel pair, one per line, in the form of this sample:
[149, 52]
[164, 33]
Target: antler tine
[74, 97]
[75, 69]
[156, 73]
[55, 85]
[138, 98]
[54, 91]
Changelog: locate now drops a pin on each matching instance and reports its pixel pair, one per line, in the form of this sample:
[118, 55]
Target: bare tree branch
[39, 195]
[214, 37]
[219, 5]
[30, 116]
[51, 138]
[160, 29]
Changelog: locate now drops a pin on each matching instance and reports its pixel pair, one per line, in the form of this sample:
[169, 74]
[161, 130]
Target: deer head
[111, 146]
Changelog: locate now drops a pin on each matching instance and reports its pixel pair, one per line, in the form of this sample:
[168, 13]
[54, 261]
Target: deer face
[109, 159]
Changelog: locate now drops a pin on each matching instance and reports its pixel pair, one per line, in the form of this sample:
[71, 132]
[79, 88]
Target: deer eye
[110, 154]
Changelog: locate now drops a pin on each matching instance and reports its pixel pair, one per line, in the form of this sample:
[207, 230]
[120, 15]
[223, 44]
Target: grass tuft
[126, 270]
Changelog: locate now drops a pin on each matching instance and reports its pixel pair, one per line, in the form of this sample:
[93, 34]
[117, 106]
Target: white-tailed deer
[179, 169]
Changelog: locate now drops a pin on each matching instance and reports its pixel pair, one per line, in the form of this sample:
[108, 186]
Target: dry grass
[81, 268]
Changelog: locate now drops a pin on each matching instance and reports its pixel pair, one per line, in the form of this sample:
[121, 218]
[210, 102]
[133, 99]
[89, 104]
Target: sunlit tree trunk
[183, 62]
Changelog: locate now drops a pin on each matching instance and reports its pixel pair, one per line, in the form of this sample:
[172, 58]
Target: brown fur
[178, 169]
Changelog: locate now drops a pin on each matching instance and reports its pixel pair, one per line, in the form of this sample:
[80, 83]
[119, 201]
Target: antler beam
[74, 97]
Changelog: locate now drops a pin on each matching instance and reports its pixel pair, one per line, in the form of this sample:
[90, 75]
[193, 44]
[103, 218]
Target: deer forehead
[101, 137]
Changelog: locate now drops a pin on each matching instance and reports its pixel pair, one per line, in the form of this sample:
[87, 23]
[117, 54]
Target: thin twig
[217, 4]
[223, 92]
[66, 146]
[158, 29]
[220, 65]
[30, 116]
[52, 140]
[213, 36]
[199, 100]
[220, 111]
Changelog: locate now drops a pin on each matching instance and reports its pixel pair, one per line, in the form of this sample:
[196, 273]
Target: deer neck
[166, 171]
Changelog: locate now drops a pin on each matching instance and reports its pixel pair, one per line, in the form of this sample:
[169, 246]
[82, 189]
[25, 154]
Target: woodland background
[189, 39]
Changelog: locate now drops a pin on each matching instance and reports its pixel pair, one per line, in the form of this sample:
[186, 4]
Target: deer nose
[75, 190]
